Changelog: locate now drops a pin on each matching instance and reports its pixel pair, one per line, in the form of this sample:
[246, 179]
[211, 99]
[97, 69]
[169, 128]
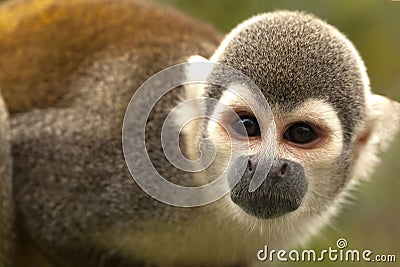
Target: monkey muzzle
[281, 192]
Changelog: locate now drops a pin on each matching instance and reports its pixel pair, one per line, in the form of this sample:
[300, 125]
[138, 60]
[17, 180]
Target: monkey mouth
[282, 191]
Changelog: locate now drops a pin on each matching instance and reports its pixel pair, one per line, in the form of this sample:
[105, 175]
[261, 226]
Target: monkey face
[308, 152]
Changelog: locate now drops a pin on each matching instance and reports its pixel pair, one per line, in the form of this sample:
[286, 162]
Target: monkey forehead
[292, 57]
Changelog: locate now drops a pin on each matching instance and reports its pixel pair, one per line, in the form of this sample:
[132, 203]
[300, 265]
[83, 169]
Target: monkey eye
[300, 133]
[247, 126]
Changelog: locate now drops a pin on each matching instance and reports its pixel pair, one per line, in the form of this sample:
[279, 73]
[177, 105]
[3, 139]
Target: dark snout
[282, 191]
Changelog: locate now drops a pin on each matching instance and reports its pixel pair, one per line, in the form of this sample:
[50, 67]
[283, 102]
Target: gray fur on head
[293, 56]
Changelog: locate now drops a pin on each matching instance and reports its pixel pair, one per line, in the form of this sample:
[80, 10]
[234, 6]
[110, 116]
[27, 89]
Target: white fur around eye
[227, 99]
[322, 115]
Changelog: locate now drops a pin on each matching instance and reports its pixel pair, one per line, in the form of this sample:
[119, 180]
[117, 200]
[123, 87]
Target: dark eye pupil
[247, 126]
[300, 133]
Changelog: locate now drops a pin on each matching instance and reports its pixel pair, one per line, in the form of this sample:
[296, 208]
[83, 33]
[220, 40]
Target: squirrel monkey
[68, 70]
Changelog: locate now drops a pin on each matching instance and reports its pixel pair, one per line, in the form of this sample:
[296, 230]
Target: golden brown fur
[42, 43]
[46, 44]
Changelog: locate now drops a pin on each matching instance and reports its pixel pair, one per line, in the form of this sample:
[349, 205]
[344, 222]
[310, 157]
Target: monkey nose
[281, 192]
[284, 169]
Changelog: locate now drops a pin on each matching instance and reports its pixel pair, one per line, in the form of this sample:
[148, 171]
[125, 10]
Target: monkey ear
[197, 58]
[381, 127]
[383, 120]
[193, 90]
[196, 72]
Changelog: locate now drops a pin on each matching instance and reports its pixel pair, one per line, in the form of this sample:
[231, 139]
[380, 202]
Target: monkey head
[329, 126]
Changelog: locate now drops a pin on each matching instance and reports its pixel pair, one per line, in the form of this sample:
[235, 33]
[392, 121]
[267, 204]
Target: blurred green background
[372, 221]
